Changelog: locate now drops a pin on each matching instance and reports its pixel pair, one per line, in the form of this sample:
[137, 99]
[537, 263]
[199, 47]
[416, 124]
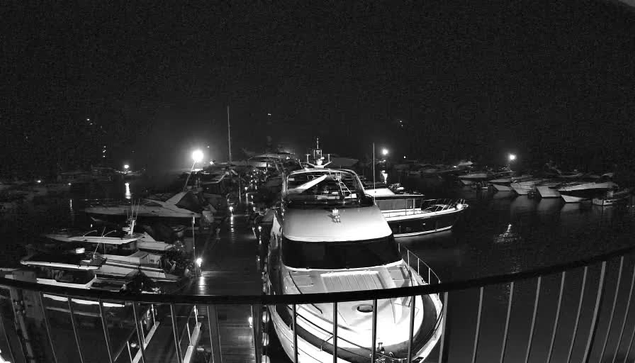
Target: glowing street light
[384, 152]
[197, 157]
[510, 158]
[126, 167]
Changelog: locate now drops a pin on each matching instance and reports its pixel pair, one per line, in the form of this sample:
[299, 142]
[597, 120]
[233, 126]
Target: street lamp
[125, 168]
[510, 158]
[197, 157]
[384, 152]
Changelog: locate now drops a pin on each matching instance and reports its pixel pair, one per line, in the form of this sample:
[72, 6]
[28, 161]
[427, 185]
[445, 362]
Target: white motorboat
[329, 236]
[524, 187]
[410, 214]
[474, 178]
[577, 192]
[613, 197]
[549, 188]
[93, 236]
[504, 184]
[183, 205]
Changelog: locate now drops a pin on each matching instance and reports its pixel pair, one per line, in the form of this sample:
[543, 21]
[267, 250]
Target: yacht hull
[315, 344]
[502, 187]
[546, 191]
[422, 223]
[573, 198]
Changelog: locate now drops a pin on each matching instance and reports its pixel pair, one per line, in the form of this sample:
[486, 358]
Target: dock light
[197, 156]
[39, 181]
[199, 262]
[512, 157]
[126, 167]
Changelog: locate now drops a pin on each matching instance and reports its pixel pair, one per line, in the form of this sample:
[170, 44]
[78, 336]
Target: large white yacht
[329, 236]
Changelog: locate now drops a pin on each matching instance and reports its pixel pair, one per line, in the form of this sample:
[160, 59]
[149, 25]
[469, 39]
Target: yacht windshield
[339, 255]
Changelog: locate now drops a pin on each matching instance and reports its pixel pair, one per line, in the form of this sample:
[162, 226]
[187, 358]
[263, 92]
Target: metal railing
[573, 312]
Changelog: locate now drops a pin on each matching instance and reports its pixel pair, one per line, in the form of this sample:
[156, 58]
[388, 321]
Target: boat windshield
[339, 255]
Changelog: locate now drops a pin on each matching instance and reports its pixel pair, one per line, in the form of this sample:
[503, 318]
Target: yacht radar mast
[318, 157]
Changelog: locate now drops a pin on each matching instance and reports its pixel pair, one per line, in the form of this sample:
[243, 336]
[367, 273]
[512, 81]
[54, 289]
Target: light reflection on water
[127, 194]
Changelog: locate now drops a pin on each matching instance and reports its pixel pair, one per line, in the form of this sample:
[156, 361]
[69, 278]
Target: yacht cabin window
[339, 255]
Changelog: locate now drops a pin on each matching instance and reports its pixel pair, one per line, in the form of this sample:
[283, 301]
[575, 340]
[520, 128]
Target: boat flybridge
[329, 236]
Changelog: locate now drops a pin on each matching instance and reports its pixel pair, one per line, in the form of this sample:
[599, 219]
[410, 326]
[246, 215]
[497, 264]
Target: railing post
[507, 318]
[626, 313]
[577, 318]
[295, 334]
[177, 346]
[104, 325]
[6, 337]
[555, 323]
[79, 348]
[596, 313]
[335, 332]
[478, 324]
[411, 327]
[533, 319]
[129, 351]
[444, 311]
[214, 334]
[255, 326]
[374, 332]
[47, 325]
[140, 337]
[617, 289]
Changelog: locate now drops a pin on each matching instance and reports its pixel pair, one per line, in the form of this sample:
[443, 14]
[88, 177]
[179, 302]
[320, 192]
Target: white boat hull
[547, 192]
[122, 269]
[309, 352]
[502, 187]
[572, 198]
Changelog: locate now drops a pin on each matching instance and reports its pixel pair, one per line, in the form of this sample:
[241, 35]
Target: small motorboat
[613, 197]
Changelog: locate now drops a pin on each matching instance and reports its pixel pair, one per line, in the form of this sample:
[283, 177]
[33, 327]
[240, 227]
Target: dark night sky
[469, 78]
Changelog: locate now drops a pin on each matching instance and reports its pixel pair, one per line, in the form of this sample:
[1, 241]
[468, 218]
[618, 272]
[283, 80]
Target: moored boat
[329, 236]
[524, 187]
[413, 215]
[613, 197]
[577, 192]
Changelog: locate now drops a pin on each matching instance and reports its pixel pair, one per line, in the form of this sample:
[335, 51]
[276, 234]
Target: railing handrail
[318, 297]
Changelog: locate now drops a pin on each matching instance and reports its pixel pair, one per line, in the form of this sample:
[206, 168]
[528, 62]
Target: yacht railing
[417, 264]
[577, 311]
